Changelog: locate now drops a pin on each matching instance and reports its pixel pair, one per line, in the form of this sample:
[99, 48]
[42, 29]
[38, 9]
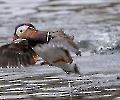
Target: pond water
[96, 27]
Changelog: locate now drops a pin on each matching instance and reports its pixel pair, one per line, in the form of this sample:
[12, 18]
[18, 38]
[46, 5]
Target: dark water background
[96, 27]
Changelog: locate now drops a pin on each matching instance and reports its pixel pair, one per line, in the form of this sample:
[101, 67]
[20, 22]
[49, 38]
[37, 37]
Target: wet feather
[16, 54]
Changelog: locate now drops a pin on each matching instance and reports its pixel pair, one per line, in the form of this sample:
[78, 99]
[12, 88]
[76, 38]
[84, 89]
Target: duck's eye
[21, 31]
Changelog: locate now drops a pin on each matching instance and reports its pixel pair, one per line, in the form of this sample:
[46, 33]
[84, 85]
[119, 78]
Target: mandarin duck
[53, 47]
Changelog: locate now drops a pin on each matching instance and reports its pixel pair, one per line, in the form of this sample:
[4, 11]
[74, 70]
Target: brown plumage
[17, 53]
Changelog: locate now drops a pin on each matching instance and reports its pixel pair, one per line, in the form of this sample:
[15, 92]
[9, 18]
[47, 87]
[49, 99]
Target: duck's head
[29, 32]
[24, 30]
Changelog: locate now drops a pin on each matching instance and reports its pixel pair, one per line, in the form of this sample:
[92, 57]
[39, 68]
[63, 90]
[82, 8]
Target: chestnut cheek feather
[35, 35]
[29, 34]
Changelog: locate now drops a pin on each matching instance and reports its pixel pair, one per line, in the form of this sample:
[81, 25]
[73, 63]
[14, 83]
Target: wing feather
[16, 54]
[64, 41]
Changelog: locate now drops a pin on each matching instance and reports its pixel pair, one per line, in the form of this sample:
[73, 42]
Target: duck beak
[15, 37]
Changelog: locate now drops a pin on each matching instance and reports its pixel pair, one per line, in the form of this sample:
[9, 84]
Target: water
[95, 25]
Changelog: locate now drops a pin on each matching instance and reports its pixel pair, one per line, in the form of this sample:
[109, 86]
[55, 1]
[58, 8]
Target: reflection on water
[95, 25]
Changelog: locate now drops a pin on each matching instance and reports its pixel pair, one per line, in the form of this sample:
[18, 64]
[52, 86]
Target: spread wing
[16, 54]
[62, 40]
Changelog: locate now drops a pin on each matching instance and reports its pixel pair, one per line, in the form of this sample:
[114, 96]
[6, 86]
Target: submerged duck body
[53, 47]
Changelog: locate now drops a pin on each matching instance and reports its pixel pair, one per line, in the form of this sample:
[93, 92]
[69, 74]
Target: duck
[53, 47]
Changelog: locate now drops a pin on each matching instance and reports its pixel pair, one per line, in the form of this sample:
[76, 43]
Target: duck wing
[60, 39]
[17, 53]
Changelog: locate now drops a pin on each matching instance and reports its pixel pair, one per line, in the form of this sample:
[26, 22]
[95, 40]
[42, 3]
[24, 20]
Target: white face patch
[21, 29]
[19, 40]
